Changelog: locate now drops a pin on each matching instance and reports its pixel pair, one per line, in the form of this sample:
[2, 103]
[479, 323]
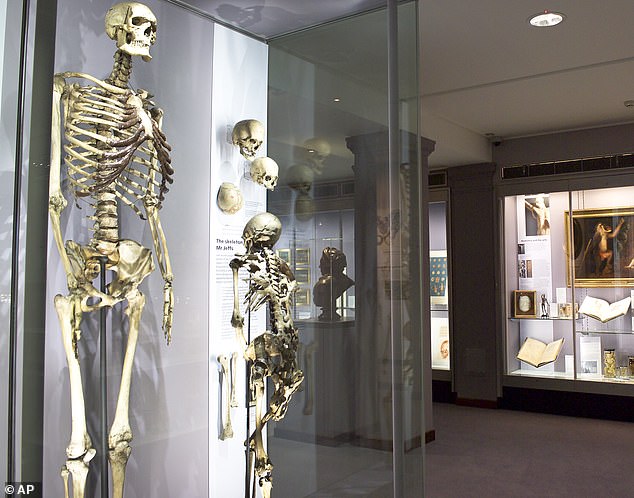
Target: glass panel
[10, 40]
[603, 252]
[169, 410]
[538, 300]
[348, 235]
[439, 286]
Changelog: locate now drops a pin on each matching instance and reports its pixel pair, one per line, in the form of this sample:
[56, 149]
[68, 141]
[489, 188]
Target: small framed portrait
[285, 255]
[524, 304]
[302, 276]
[302, 297]
[302, 256]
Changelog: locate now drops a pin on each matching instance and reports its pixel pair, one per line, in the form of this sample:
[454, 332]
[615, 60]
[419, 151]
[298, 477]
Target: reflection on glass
[328, 130]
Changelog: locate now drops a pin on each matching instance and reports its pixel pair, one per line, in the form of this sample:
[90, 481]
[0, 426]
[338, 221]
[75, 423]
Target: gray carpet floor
[477, 453]
[500, 453]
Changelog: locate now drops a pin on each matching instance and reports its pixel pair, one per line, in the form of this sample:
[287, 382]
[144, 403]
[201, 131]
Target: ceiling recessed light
[336, 99]
[546, 19]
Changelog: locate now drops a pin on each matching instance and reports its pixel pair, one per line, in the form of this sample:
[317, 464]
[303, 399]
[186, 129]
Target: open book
[602, 310]
[537, 353]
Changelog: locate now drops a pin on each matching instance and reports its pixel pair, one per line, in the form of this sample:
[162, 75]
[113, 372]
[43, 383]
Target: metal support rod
[103, 381]
[15, 259]
[396, 324]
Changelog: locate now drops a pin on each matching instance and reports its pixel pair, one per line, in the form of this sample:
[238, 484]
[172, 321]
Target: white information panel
[239, 92]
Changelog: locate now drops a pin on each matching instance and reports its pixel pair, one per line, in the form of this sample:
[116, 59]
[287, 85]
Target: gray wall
[566, 145]
[473, 284]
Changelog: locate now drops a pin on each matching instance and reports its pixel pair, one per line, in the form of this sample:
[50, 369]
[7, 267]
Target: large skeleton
[274, 353]
[116, 156]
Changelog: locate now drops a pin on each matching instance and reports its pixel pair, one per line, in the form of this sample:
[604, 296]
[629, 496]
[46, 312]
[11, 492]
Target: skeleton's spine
[106, 223]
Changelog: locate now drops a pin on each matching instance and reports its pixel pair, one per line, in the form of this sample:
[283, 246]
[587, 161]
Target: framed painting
[302, 297]
[601, 247]
[524, 305]
[302, 276]
[302, 256]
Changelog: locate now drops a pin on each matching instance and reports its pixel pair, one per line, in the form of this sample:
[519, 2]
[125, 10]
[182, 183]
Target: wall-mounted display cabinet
[439, 283]
[568, 285]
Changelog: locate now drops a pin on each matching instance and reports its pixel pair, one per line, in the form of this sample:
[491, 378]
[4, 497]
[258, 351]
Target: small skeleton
[274, 353]
[115, 155]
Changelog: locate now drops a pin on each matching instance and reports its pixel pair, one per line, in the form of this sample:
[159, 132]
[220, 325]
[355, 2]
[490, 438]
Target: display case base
[569, 403]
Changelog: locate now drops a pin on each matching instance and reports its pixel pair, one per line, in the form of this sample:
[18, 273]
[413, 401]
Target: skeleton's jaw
[140, 48]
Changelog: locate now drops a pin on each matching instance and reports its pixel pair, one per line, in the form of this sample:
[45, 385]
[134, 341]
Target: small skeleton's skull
[230, 199]
[317, 150]
[263, 230]
[265, 171]
[133, 26]
[300, 178]
[248, 135]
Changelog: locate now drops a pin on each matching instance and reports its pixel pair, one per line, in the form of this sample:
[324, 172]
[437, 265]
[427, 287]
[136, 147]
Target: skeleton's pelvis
[133, 263]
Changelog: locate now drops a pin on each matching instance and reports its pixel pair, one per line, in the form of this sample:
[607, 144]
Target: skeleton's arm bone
[56, 201]
[101, 83]
[162, 256]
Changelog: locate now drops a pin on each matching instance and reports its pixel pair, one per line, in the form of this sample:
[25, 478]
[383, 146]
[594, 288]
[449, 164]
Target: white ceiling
[485, 69]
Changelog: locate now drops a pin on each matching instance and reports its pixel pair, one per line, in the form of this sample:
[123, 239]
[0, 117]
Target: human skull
[317, 150]
[133, 26]
[265, 171]
[300, 178]
[263, 230]
[229, 199]
[248, 135]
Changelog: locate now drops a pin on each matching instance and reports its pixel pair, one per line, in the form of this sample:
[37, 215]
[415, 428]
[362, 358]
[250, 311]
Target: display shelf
[535, 319]
[605, 332]
[537, 373]
[601, 378]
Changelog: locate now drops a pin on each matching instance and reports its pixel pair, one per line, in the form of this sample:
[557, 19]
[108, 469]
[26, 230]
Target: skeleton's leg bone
[79, 450]
[79, 470]
[227, 430]
[234, 368]
[237, 320]
[64, 473]
[263, 465]
[120, 432]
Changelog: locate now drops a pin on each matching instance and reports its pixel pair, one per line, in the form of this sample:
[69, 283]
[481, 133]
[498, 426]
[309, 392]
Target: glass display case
[569, 279]
[439, 282]
[338, 296]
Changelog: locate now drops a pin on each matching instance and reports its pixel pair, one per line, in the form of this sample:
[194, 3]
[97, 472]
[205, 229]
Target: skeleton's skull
[300, 178]
[265, 171]
[133, 26]
[317, 150]
[248, 135]
[263, 230]
[230, 199]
